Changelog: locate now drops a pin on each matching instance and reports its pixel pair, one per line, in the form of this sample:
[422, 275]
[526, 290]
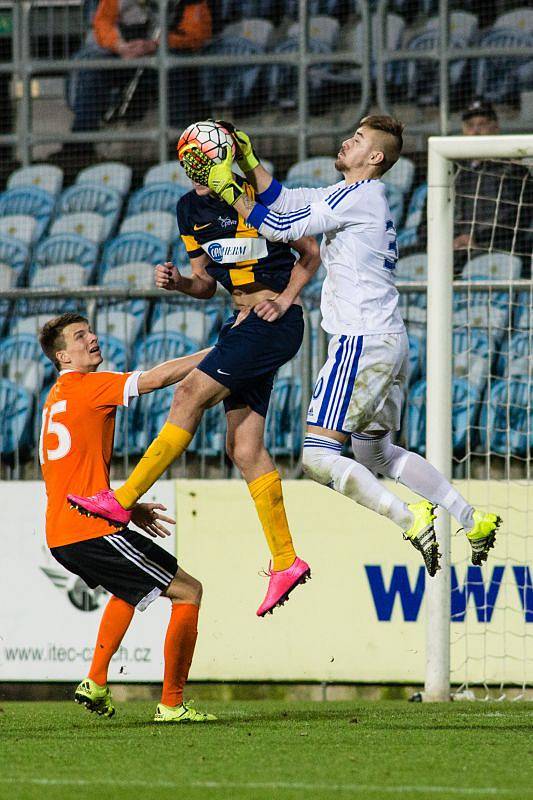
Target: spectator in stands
[487, 195]
[128, 29]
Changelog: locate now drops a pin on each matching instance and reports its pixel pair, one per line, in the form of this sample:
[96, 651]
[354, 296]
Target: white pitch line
[281, 785]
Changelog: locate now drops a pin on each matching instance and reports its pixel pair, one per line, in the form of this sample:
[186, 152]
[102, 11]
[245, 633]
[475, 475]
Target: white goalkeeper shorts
[360, 388]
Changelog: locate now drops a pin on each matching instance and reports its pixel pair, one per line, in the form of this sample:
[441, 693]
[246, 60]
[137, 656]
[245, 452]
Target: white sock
[323, 462]
[385, 458]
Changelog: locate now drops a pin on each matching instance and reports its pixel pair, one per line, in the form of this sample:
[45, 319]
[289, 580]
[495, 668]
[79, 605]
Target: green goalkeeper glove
[246, 157]
[218, 177]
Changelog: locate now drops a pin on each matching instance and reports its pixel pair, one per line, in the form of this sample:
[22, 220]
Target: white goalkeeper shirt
[358, 249]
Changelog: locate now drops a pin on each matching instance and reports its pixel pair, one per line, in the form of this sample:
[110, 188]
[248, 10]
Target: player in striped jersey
[75, 450]
[360, 388]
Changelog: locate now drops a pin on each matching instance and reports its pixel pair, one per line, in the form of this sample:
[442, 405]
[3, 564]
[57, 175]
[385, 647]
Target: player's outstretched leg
[185, 593]
[93, 692]
[322, 461]
[380, 456]
[192, 396]
[245, 447]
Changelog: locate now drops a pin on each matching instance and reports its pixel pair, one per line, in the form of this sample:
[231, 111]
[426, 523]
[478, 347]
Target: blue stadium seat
[168, 172]
[63, 249]
[233, 88]
[493, 266]
[506, 422]
[200, 325]
[180, 258]
[158, 347]
[210, 438]
[409, 234]
[43, 176]
[23, 362]
[415, 359]
[501, 78]
[396, 202]
[130, 248]
[401, 175]
[312, 172]
[283, 428]
[100, 199]
[16, 432]
[14, 256]
[465, 412]
[160, 224]
[523, 310]
[480, 309]
[471, 357]
[514, 358]
[29, 201]
[281, 78]
[114, 353]
[122, 319]
[156, 197]
[110, 173]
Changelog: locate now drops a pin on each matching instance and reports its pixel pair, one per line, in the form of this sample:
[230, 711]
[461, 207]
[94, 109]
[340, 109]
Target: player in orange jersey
[75, 450]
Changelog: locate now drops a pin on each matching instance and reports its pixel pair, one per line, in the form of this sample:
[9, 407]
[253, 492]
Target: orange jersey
[76, 446]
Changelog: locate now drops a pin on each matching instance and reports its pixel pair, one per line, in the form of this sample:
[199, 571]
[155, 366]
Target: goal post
[443, 153]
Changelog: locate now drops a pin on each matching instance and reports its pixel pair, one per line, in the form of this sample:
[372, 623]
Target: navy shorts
[129, 565]
[245, 359]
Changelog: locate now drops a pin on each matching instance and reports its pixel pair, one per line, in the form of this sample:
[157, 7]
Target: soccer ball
[210, 137]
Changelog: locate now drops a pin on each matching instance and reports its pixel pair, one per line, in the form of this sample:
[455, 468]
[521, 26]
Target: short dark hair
[479, 108]
[51, 336]
[393, 147]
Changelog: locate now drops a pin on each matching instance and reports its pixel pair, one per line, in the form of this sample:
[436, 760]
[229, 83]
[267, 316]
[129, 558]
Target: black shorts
[127, 564]
[245, 359]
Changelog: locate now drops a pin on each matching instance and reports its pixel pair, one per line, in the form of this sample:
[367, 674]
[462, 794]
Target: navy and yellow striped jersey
[238, 254]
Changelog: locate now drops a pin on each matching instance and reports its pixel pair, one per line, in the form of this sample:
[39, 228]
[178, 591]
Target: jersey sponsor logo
[226, 222]
[230, 251]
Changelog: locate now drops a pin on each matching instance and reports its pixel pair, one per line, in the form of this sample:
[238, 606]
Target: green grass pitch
[269, 750]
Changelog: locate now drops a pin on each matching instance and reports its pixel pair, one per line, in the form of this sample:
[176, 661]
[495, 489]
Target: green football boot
[483, 535]
[95, 698]
[183, 713]
[422, 536]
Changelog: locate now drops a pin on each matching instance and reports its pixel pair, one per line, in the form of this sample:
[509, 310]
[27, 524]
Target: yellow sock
[166, 447]
[268, 498]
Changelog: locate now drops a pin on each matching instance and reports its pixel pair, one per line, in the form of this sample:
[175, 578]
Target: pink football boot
[281, 585]
[102, 504]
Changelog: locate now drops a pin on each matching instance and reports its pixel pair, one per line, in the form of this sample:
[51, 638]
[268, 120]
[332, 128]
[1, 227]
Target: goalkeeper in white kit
[359, 390]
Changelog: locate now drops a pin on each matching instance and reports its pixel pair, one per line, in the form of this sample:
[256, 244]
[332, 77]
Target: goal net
[480, 410]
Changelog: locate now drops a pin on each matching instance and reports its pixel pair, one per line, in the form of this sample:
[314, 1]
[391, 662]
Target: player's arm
[317, 217]
[201, 285]
[302, 272]
[169, 373]
[270, 192]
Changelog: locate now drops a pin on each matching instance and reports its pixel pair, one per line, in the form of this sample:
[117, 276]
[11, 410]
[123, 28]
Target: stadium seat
[159, 347]
[97, 198]
[482, 309]
[21, 227]
[135, 275]
[111, 173]
[60, 276]
[15, 421]
[268, 165]
[65, 249]
[506, 420]
[313, 172]
[28, 201]
[523, 311]
[180, 258]
[43, 176]
[412, 268]
[281, 78]
[471, 357]
[500, 78]
[409, 234]
[465, 412]
[23, 362]
[396, 201]
[401, 175]
[283, 428]
[156, 197]
[83, 223]
[199, 326]
[495, 266]
[415, 359]
[156, 223]
[169, 172]
[130, 248]
[515, 356]
[14, 256]
[232, 88]
[122, 320]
